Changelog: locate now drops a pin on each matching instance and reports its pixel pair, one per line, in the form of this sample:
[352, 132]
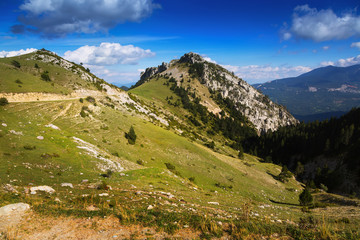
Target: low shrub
[3, 101]
[29, 147]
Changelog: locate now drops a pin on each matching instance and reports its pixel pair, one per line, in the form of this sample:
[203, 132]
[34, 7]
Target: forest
[323, 153]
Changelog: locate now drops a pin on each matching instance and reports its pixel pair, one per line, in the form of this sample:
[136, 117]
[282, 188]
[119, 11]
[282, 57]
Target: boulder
[67, 185]
[47, 189]
[17, 208]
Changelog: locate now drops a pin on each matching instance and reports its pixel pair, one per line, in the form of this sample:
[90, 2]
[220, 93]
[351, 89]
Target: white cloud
[356, 45]
[325, 48]
[112, 76]
[206, 58]
[343, 62]
[286, 36]
[16, 53]
[57, 18]
[322, 25]
[108, 54]
[256, 73]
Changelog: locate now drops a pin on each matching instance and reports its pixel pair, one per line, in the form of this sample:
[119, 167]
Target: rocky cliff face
[151, 71]
[259, 109]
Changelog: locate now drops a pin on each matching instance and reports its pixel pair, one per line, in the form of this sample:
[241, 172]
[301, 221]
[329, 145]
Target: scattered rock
[16, 133]
[40, 137]
[10, 188]
[213, 203]
[17, 208]
[47, 189]
[103, 194]
[52, 126]
[84, 181]
[4, 124]
[67, 185]
[169, 195]
[150, 207]
[57, 200]
[92, 186]
[92, 208]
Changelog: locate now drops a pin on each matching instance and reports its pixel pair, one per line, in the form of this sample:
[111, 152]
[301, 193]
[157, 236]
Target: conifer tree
[131, 136]
[305, 197]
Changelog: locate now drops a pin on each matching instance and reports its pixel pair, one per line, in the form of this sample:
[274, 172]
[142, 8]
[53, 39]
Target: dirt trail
[62, 113]
[39, 96]
[35, 97]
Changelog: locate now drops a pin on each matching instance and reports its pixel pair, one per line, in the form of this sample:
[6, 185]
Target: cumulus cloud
[108, 54]
[325, 48]
[256, 73]
[57, 18]
[16, 53]
[343, 62]
[322, 25]
[114, 76]
[208, 59]
[355, 45]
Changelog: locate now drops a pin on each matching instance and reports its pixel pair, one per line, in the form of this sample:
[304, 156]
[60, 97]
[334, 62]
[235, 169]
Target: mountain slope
[170, 182]
[323, 90]
[80, 140]
[212, 84]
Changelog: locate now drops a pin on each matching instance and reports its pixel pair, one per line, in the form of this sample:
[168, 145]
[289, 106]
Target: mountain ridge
[322, 90]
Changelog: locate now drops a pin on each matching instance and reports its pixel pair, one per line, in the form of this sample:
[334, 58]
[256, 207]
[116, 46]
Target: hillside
[65, 150]
[327, 91]
[323, 153]
[215, 88]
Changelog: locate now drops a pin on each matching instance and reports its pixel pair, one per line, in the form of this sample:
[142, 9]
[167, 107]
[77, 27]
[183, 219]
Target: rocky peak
[260, 110]
[191, 58]
[151, 71]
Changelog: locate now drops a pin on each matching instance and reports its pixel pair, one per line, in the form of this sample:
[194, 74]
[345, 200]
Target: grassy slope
[62, 81]
[251, 181]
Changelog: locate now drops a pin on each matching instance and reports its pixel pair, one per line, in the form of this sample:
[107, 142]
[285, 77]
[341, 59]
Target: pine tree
[131, 136]
[305, 197]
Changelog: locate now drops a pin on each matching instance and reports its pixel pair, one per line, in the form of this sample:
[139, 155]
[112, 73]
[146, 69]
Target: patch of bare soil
[34, 226]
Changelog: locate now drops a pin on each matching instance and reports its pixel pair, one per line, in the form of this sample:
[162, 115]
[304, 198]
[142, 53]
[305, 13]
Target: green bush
[284, 175]
[83, 113]
[16, 64]
[90, 99]
[29, 147]
[45, 76]
[170, 166]
[3, 101]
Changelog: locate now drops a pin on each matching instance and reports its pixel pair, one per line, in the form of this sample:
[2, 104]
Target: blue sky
[116, 39]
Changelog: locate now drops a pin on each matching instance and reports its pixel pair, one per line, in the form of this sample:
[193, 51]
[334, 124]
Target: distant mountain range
[318, 94]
